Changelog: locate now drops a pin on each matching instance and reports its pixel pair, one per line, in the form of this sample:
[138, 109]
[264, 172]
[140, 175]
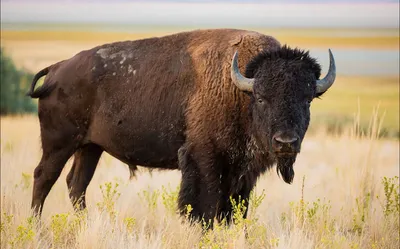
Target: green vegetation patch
[14, 86]
[358, 95]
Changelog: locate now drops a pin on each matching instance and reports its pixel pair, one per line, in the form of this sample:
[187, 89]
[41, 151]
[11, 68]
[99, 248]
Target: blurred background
[363, 35]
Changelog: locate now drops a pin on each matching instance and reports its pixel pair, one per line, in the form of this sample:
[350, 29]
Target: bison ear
[251, 69]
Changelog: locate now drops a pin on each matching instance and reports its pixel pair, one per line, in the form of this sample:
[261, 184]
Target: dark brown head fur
[280, 103]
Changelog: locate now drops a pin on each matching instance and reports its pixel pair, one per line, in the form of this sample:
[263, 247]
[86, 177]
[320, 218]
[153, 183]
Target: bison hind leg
[81, 173]
[56, 152]
[46, 174]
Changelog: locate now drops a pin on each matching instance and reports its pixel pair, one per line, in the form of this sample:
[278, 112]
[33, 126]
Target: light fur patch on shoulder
[235, 41]
[103, 52]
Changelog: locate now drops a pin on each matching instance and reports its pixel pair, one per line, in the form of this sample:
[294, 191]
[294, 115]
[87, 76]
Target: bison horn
[243, 83]
[325, 83]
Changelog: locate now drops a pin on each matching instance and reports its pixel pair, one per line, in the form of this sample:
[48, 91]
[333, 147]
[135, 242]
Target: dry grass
[336, 201]
[301, 37]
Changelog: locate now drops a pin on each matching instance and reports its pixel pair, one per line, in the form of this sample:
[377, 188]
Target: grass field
[345, 193]
[339, 199]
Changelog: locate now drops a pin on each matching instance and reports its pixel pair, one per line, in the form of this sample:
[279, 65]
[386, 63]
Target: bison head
[282, 85]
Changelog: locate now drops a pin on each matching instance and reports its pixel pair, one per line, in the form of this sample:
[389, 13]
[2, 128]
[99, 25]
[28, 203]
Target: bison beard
[285, 168]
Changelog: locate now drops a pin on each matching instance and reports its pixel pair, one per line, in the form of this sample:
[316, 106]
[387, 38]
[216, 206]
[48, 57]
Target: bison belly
[134, 141]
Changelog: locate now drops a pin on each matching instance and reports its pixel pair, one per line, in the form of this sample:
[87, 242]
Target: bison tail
[43, 90]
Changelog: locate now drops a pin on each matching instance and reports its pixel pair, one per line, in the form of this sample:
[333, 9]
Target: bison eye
[260, 100]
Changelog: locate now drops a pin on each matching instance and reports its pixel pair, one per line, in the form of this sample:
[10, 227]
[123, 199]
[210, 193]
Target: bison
[179, 102]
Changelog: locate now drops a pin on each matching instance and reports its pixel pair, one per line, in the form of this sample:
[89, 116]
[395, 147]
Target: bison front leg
[210, 198]
[189, 191]
[200, 186]
[241, 196]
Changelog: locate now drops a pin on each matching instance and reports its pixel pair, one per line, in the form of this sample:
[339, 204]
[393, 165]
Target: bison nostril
[285, 143]
[286, 140]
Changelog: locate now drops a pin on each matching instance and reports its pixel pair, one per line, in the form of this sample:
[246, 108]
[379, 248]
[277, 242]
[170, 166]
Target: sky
[204, 13]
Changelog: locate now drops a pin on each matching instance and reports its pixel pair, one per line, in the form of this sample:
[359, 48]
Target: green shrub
[392, 203]
[15, 83]
[110, 196]
[150, 198]
[170, 199]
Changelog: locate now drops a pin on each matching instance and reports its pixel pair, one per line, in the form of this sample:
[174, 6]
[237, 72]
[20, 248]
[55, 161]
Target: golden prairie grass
[300, 37]
[340, 198]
